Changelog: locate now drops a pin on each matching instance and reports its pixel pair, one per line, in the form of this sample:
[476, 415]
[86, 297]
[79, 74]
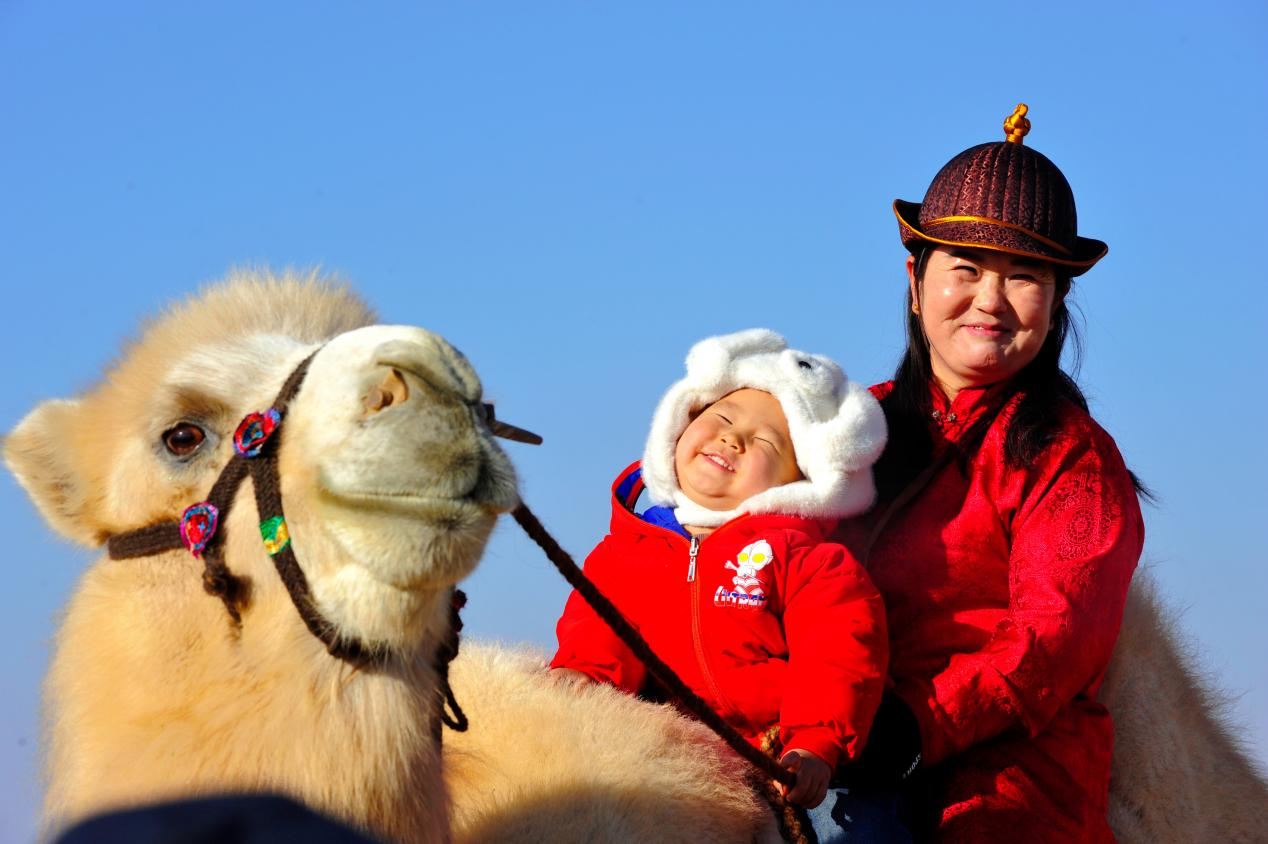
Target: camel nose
[432, 360]
[393, 389]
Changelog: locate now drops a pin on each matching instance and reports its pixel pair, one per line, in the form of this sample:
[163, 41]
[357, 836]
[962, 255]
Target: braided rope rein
[636, 643]
[791, 820]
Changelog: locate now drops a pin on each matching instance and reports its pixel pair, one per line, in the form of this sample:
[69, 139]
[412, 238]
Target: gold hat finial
[1016, 125]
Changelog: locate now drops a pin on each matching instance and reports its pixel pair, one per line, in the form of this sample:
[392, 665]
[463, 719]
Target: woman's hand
[812, 778]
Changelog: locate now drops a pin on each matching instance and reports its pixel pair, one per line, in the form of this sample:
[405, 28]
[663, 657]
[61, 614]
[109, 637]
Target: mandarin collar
[951, 416]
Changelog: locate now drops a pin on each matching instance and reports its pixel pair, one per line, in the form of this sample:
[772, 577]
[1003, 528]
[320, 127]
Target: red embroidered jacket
[763, 618]
[1004, 589]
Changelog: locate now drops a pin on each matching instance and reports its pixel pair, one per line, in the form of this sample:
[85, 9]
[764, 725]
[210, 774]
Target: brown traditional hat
[1002, 196]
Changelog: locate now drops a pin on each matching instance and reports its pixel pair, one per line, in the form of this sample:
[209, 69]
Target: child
[751, 459]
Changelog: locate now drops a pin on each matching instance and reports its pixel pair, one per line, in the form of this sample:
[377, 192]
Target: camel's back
[545, 762]
[1178, 775]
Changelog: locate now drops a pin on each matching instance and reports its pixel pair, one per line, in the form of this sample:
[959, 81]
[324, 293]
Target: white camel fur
[1179, 773]
[392, 483]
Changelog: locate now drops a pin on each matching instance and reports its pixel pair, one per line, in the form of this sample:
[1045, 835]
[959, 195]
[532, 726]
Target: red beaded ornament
[254, 431]
[198, 526]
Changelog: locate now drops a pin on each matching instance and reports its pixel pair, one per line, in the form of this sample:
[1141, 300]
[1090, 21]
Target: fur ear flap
[41, 453]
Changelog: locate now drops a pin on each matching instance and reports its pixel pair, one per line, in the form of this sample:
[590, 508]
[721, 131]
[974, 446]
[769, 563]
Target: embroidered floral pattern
[1088, 514]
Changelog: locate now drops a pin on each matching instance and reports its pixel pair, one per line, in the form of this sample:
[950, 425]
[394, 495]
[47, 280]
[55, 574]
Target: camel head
[390, 476]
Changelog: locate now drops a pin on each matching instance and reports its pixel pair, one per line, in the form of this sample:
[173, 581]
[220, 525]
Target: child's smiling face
[737, 447]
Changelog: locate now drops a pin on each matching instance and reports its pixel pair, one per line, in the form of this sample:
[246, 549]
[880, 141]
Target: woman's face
[986, 313]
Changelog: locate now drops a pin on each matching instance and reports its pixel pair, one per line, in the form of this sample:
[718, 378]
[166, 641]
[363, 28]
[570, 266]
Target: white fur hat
[837, 427]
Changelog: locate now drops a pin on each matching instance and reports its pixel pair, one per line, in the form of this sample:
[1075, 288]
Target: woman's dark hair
[1043, 386]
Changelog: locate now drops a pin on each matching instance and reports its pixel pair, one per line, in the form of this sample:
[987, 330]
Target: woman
[1008, 526]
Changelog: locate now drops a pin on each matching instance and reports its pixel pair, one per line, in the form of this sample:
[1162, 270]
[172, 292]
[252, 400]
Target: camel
[392, 481]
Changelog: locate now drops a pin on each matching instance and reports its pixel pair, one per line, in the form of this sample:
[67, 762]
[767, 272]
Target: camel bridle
[202, 525]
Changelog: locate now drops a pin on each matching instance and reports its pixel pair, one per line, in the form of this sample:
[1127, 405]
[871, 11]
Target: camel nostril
[391, 390]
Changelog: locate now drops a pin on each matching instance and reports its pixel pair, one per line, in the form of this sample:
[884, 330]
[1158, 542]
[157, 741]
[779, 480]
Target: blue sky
[573, 193]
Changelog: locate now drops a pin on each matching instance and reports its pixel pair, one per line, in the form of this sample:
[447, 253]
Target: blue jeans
[859, 817]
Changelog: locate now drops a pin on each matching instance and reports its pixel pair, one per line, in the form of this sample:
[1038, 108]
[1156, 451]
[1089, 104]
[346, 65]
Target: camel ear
[41, 453]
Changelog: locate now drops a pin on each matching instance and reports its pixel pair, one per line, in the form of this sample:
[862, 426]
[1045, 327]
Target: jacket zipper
[696, 640]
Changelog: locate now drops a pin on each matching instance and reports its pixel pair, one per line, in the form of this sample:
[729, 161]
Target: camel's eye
[183, 439]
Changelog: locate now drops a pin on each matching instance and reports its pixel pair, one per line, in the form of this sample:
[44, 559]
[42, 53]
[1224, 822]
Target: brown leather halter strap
[217, 579]
[262, 466]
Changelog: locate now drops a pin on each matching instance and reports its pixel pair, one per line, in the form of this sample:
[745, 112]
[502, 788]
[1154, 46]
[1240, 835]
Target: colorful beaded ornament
[254, 431]
[198, 526]
[276, 536]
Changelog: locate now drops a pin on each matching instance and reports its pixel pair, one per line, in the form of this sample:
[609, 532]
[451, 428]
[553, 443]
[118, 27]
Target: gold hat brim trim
[970, 218]
[1082, 264]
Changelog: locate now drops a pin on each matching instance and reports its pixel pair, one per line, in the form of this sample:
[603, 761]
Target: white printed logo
[748, 590]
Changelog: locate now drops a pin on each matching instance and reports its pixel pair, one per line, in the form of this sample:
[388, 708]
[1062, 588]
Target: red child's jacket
[764, 619]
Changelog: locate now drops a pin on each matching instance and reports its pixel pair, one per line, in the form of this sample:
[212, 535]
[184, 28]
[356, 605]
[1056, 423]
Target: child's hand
[569, 677]
[812, 778]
